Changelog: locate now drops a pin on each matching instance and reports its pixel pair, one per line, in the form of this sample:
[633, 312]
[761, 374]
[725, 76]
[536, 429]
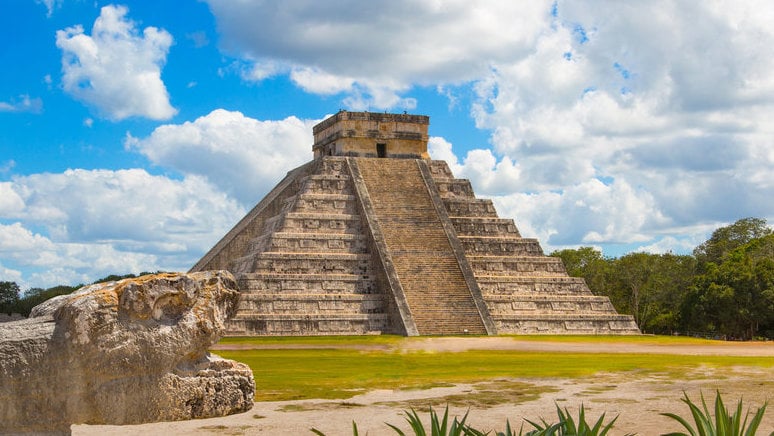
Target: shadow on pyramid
[373, 237]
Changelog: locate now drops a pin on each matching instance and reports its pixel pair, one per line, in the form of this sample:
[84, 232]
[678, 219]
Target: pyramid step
[500, 246]
[308, 325]
[546, 304]
[484, 226]
[319, 284]
[309, 242]
[454, 188]
[440, 170]
[327, 184]
[310, 263]
[479, 207]
[517, 265]
[310, 222]
[322, 203]
[566, 324]
[309, 304]
[498, 285]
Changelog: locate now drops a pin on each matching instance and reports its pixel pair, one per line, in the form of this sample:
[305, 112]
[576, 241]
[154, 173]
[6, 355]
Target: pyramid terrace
[372, 236]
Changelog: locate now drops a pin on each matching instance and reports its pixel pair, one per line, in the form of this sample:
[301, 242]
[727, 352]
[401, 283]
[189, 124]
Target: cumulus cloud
[672, 121]
[242, 156]
[80, 225]
[377, 49]
[117, 70]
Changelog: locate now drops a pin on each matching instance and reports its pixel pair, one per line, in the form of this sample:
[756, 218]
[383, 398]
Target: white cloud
[674, 120]
[50, 5]
[588, 213]
[81, 225]
[60, 263]
[242, 156]
[24, 103]
[377, 49]
[11, 275]
[317, 81]
[441, 149]
[10, 202]
[629, 120]
[672, 244]
[117, 69]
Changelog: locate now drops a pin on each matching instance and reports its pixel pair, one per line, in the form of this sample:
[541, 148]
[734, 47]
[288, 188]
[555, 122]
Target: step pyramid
[373, 237]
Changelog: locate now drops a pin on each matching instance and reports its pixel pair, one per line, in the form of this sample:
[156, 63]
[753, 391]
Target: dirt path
[637, 399]
[452, 344]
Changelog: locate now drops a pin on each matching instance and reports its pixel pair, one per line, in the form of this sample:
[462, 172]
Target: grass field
[341, 367]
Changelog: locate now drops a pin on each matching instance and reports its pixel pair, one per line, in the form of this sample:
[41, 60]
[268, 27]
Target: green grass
[318, 341]
[640, 339]
[341, 367]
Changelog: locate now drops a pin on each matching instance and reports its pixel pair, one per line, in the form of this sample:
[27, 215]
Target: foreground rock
[125, 352]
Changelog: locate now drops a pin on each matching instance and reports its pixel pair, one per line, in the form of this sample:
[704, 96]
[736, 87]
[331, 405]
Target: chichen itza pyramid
[372, 237]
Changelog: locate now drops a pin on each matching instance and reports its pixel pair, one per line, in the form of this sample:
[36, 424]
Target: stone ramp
[428, 270]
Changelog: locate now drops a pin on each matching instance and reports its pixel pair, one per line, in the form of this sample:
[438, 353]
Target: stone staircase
[309, 270]
[524, 290]
[435, 289]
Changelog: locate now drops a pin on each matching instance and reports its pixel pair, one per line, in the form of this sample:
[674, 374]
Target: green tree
[587, 262]
[736, 297]
[9, 296]
[34, 296]
[652, 288]
[670, 282]
[632, 278]
[728, 238]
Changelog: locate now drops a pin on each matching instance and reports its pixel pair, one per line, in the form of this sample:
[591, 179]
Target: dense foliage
[725, 289]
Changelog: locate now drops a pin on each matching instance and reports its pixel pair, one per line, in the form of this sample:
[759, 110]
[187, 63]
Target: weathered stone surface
[123, 352]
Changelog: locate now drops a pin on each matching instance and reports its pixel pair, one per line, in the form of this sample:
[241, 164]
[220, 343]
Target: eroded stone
[124, 352]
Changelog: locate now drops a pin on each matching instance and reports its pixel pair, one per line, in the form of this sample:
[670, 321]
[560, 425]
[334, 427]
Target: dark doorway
[381, 150]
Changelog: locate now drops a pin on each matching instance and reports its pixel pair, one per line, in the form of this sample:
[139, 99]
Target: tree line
[12, 300]
[724, 289]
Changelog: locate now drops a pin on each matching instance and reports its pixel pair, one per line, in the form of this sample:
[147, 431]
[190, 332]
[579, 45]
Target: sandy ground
[637, 399]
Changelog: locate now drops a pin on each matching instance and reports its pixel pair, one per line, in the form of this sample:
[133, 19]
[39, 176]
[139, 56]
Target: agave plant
[724, 424]
[438, 426]
[566, 426]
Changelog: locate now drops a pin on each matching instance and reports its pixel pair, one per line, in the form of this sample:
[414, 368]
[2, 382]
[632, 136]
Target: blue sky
[133, 135]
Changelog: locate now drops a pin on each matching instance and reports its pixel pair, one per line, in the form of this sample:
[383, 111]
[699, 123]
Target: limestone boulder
[124, 352]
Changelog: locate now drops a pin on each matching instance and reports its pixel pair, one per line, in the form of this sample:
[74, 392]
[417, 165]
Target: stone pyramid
[373, 237]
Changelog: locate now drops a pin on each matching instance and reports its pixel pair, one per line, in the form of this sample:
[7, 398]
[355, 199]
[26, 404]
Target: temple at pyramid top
[369, 134]
[352, 243]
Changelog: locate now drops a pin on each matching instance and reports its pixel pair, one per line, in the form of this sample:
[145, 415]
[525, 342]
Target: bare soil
[637, 399]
